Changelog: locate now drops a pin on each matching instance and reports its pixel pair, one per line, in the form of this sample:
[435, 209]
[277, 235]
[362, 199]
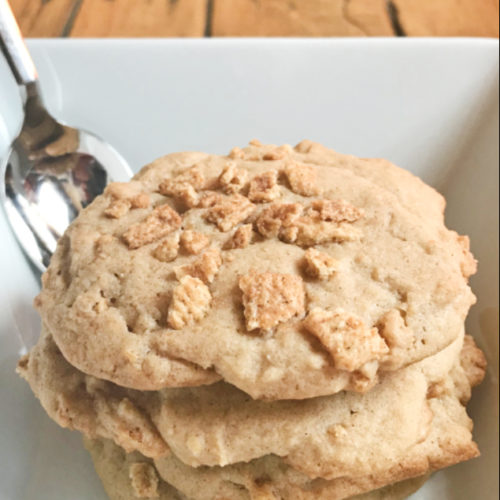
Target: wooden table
[196, 18]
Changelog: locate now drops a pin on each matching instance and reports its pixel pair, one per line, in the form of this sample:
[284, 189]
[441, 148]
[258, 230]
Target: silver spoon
[52, 171]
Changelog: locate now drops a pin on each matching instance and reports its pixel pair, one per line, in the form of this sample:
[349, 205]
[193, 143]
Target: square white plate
[429, 105]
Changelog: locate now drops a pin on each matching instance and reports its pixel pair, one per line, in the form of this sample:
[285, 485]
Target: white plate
[428, 105]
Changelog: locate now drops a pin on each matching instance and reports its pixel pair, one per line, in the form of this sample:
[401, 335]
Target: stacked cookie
[278, 323]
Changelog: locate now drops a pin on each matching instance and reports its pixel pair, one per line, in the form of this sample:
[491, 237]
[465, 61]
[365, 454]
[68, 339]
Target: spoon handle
[14, 48]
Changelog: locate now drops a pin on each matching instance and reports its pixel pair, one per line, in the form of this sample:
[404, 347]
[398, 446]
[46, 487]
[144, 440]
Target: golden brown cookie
[329, 437]
[289, 272]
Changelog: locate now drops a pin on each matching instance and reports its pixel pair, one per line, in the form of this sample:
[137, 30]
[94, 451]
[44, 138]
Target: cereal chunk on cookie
[334, 211]
[277, 217]
[190, 302]
[204, 267]
[302, 179]
[232, 179]
[184, 187]
[124, 196]
[271, 298]
[394, 331]
[319, 264]
[182, 192]
[144, 480]
[229, 211]
[162, 221]
[194, 242]
[348, 340]
[264, 187]
[168, 249]
[117, 208]
[241, 238]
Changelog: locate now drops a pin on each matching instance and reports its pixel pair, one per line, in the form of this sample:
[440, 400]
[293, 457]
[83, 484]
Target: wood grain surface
[196, 18]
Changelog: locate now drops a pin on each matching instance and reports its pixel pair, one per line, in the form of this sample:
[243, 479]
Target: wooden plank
[43, 18]
[448, 17]
[370, 16]
[136, 18]
[282, 18]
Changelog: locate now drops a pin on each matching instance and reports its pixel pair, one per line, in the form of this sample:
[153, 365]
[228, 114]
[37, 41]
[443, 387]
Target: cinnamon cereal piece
[142, 200]
[393, 330]
[122, 190]
[302, 179]
[350, 343]
[232, 179]
[182, 191]
[313, 232]
[236, 154]
[168, 249]
[194, 242]
[124, 196]
[271, 298]
[193, 176]
[162, 221]
[117, 208]
[190, 302]
[204, 268]
[184, 186]
[278, 153]
[307, 146]
[241, 238]
[229, 211]
[334, 211]
[319, 264]
[264, 187]
[276, 217]
[144, 480]
[208, 199]
[468, 265]
[256, 143]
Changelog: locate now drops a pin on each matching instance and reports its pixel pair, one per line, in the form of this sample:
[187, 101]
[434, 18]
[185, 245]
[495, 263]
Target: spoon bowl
[52, 171]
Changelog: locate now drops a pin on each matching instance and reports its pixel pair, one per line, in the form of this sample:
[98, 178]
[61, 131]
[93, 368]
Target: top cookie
[290, 272]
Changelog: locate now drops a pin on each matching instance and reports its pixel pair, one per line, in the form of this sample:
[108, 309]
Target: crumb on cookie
[302, 179]
[182, 191]
[319, 264]
[271, 298]
[141, 200]
[277, 153]
[168, 249]
[232, 179]
[144, 480]
[229, 211]
[117, 208]
[393, 329]
[264, 187]
[124, 196]
[348, 340]
[334, 211]
[162, 221]
[241, 238]
[278, 216]
[190, 302]
[194, 242]
[204, 267]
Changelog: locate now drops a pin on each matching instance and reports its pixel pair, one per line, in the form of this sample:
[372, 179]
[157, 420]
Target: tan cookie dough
[327, 437]
[275, 239]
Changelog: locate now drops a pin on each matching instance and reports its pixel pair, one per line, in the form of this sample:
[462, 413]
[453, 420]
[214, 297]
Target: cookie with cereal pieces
[288, 272]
